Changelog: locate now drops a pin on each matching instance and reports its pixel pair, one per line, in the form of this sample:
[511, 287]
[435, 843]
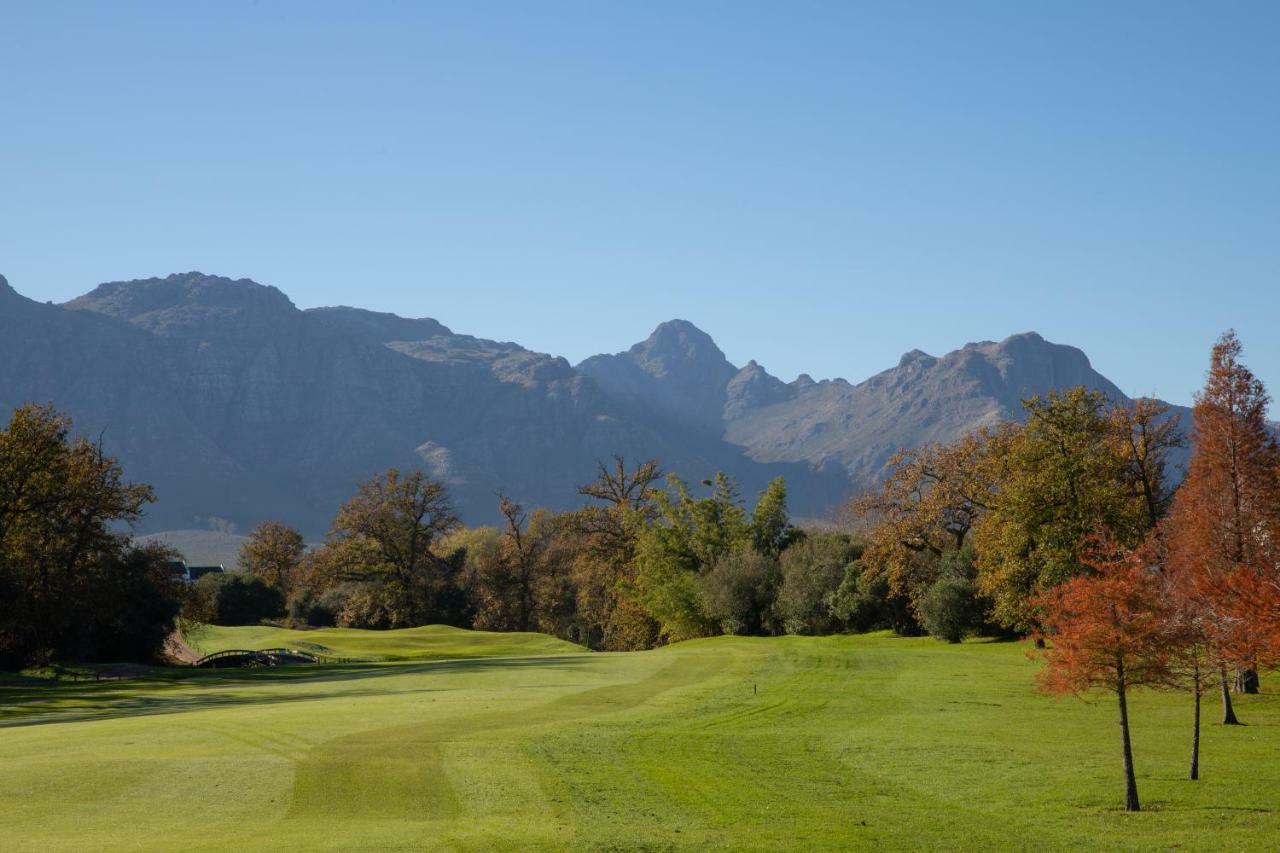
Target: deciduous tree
[603, 535]
[1223, 532]
[927, 506]
[1060, 481]
[65, 561]
[1109, 630]
[395, 519]
[272, 552]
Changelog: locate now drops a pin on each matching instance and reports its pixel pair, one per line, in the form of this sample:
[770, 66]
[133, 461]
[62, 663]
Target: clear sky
[821, 186]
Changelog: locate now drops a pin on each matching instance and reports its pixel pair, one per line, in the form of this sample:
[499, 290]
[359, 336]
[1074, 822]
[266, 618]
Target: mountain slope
[239, 407]
[833, 423]
[921, 400]
[678, 373]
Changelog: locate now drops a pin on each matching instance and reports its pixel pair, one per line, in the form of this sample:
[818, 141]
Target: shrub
[307, 609]
[812, 571]
[868, 604]
[298, 607]
[739, 591]
[322, 610]
[951, 609]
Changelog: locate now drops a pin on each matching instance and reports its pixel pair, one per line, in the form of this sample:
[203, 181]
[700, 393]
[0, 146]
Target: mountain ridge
[239, 406]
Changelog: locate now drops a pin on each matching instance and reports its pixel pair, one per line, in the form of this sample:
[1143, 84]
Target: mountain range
[239, 407]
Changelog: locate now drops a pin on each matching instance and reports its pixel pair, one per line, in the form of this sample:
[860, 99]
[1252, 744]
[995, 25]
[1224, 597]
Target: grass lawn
[870, 741]
[434, 642]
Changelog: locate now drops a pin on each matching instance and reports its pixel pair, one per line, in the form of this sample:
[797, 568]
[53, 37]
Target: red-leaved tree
[1193, 662]
[1110, 631]
[1223, 531]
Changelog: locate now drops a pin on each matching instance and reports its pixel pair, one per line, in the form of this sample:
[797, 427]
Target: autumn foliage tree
[927, 506]
[605, 533]
[1108, 630]
[272, 552]
[1194, 665]
[517, 576]
[387, 531]
[1223, 532]
[1145, 433]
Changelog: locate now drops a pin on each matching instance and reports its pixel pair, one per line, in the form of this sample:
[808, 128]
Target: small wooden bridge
[229, 658]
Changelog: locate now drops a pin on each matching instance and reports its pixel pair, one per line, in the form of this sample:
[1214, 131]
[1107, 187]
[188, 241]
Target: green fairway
[870, 741]
[434, 642]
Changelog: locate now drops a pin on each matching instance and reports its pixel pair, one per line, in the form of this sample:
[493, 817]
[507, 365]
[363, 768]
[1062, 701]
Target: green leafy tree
[771, 528]
[1061, 480]
[685, 539]
[739, 591]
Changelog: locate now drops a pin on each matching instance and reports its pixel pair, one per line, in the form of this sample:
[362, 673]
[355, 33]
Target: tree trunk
[1228, 712]
[1195, 732]
[1247, 681]
[1130, 781]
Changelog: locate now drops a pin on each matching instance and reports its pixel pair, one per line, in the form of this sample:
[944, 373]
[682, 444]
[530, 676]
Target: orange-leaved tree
[1195, 663]
[1223, 532]
[1109, 630]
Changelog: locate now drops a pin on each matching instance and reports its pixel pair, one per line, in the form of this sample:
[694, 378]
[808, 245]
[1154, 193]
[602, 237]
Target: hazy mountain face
[679, 372]
[239, 407]
[922, 400]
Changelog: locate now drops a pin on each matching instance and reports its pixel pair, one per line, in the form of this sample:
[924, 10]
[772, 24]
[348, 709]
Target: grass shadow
[33, 701]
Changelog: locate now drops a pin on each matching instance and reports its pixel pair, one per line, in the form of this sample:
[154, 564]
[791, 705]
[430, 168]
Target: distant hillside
[202, 547]
[239, 407]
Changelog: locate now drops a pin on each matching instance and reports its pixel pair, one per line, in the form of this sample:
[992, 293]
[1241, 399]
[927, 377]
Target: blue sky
[821, 186]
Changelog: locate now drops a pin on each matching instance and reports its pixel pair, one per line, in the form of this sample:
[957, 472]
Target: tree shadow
[32, 701]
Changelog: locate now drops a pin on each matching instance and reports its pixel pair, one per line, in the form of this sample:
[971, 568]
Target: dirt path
[177, 650]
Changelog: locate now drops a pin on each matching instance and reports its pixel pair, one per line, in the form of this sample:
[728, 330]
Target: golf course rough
[446, 739]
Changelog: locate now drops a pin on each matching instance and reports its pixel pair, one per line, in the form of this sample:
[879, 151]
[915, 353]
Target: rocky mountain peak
[1027, 364]
[680, 345]
[677, 372]
[192, 304]
[916, 358]
[752, 387]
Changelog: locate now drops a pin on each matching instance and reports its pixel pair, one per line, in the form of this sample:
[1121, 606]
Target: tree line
[644, 561]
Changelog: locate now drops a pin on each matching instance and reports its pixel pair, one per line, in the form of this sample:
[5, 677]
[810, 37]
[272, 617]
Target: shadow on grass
[34, 701]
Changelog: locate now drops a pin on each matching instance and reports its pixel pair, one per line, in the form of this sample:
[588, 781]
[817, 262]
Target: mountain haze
[240, 407]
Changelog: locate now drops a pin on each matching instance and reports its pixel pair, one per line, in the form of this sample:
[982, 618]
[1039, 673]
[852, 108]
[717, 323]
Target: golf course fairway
[527, 743]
